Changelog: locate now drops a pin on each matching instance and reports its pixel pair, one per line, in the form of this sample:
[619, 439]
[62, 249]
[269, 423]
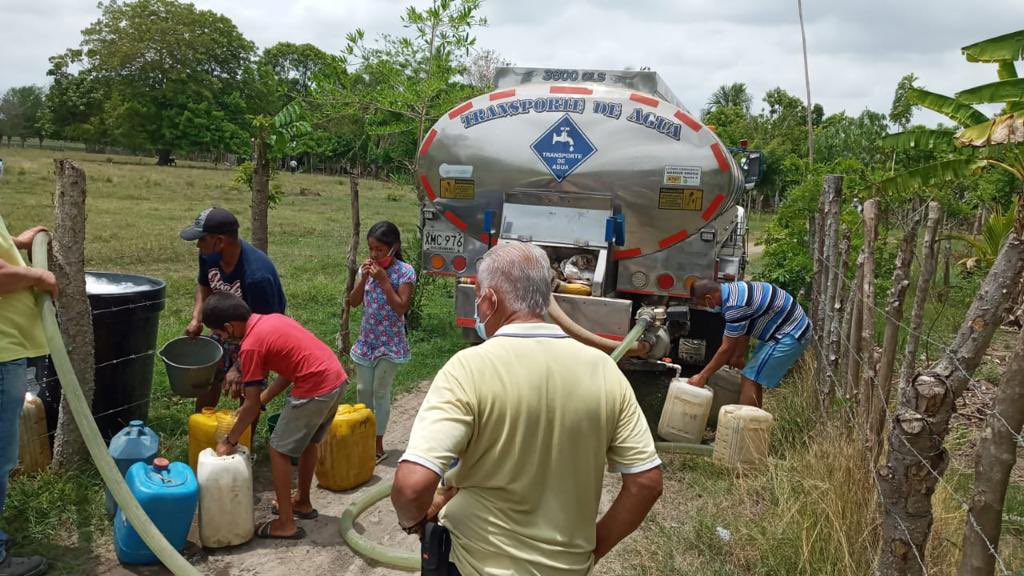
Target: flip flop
[311, 515]
[382, 457]
[264, 532]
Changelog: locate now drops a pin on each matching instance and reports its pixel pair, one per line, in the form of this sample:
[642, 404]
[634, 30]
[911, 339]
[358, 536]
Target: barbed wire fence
[830, 283]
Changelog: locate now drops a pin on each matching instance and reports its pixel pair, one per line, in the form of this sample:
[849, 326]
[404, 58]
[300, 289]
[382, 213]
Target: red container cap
[161, 463]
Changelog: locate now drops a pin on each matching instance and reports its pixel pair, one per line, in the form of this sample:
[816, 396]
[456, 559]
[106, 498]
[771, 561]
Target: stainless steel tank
[620, 135]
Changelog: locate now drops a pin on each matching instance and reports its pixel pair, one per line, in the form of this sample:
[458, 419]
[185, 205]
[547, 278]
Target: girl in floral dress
[385, 286]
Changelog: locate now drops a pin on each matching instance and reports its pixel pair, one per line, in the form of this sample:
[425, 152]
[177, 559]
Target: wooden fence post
[853, 354]
[840, 319]
[929, 263]
[825, 376]
[893, 319]
[67, 262]
[994, 459]
[344, 341]
[916, 457]
[867, 345]
[260, 235]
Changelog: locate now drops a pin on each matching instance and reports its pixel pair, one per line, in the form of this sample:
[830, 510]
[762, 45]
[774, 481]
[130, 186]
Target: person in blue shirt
[765, 312]
[229, 264]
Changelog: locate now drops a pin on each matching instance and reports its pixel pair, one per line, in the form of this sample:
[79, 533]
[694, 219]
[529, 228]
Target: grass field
[134, 215]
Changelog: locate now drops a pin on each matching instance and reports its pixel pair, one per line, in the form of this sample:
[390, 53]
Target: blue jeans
[12, 397]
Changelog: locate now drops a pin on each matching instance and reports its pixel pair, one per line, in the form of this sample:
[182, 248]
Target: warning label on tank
[681, 199]
[563, 147]
[682, 175]
[457, 189]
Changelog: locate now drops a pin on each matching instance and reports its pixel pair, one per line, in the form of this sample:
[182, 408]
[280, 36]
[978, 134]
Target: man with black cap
[229, 264]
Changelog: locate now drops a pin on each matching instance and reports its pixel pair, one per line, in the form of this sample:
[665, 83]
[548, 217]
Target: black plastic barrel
[125, 319]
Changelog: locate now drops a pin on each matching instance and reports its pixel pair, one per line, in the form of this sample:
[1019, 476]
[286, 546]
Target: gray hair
[520, 274]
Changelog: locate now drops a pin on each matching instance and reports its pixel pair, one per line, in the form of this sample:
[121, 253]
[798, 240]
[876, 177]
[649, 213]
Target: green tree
[165, 74]
[902, 110]
[21, 110]
[403, 83]
[841, 136]
[295, 67]
[733, 95]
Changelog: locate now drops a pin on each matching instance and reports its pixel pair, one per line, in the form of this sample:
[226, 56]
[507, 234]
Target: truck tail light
[459, 263]
[666, 281]
[437, 261]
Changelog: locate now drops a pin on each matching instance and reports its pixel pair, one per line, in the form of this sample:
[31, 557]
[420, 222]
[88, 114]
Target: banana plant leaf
[931, 174]
[1006, 47]
[1011, 90]
[1005, 129]
[961, 113]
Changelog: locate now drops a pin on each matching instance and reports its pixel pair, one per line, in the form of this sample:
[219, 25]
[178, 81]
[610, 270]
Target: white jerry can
[685, 414]
[227, 516]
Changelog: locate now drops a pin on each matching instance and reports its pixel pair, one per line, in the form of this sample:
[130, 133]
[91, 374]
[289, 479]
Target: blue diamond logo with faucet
[563, 147]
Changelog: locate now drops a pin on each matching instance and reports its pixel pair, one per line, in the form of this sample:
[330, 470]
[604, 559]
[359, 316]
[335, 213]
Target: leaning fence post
[67, 262]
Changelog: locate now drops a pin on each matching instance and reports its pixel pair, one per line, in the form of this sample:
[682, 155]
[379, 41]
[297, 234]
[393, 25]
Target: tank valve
[667, 362]
[656, 335]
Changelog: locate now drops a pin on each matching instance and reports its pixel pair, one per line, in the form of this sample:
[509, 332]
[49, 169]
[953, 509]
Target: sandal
[382, 457]
[311, 515]
[264, 532]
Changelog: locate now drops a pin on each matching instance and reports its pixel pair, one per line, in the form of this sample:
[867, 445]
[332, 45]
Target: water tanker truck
[630, 195]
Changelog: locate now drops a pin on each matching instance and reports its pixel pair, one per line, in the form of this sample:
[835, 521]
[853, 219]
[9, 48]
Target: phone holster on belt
[435, 547]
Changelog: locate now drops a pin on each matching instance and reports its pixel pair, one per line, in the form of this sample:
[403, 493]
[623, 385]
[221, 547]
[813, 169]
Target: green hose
[683, 448]
[631, 338]
[90, 433]
[387, 556]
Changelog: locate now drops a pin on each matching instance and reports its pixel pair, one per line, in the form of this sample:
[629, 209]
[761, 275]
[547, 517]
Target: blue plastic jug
[169, 494]
[134, 443]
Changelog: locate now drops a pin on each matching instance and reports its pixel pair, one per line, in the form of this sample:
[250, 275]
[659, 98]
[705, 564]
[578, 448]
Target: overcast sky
[858, 49]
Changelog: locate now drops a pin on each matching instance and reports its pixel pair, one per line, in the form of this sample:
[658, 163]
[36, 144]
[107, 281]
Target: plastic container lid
[161, 464]
[136, 424]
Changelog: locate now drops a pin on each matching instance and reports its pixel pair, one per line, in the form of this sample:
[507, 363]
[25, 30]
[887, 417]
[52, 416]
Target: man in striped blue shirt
[765, 312]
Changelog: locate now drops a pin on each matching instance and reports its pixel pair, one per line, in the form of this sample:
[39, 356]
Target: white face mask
[481, 328]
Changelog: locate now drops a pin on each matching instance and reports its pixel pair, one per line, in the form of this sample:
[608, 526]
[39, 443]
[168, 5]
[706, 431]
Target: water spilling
[100, 285]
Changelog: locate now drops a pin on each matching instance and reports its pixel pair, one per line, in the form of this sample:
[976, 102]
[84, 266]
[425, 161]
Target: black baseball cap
[211, 221]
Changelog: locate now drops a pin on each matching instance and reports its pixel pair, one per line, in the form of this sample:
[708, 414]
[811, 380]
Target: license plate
[444, 242]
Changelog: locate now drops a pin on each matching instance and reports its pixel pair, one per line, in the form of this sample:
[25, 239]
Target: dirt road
[323, 551]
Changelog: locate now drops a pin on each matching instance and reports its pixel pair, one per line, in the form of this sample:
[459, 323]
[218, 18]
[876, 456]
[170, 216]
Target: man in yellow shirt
[521, 428]
[21, 337]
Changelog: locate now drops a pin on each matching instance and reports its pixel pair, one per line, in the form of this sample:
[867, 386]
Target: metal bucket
[191, 364]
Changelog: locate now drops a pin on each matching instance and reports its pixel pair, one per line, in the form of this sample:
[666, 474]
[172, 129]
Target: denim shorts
[773, 359]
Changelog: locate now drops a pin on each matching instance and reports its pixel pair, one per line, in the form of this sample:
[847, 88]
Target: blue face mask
[713, 309]
[481, 328]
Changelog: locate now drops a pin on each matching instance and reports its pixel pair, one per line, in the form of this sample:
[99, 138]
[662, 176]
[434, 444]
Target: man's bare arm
[636, 498]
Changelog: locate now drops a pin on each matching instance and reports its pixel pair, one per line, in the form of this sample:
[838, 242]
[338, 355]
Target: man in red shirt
[275, 342]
